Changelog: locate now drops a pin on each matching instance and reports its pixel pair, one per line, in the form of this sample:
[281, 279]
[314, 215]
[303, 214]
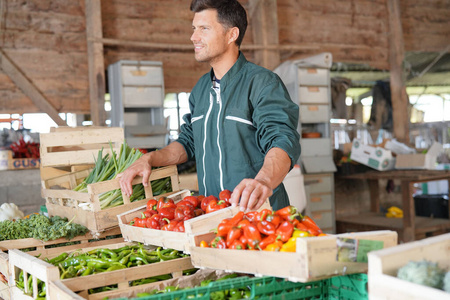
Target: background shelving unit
[137, 96]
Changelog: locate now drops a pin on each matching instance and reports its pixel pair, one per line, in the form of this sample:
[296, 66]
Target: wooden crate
[22, 163]
[147, 236]
[4, 269]
[70, 287]
[169, 239]
[315, 259]
[44, 248]
[65, 149]
[69, 203]
[384, 264]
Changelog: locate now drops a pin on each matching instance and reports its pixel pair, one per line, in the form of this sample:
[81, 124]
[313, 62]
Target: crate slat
[315, 259]
[384, 264]
[66, 203]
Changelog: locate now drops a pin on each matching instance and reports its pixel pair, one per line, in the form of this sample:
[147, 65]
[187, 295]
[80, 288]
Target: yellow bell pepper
[291, 244]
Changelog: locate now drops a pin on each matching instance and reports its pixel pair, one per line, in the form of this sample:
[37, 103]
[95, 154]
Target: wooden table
[409, 227]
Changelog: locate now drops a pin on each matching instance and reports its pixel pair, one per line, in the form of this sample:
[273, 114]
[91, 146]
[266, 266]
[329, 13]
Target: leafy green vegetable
[40, 227]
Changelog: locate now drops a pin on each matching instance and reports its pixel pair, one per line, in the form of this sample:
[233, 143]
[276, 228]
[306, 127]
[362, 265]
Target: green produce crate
[348, 287]
[351, 287]
[259, 288]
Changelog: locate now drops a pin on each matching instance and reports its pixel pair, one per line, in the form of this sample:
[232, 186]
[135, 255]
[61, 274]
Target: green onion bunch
[107, 167]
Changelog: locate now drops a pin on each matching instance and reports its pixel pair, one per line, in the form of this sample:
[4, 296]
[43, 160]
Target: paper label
[353, 250]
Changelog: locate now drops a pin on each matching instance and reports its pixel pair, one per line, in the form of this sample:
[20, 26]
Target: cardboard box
[418, 160]
[375, 157]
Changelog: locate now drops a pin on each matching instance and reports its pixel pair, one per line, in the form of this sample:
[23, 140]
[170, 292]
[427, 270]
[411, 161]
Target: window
[175, 107]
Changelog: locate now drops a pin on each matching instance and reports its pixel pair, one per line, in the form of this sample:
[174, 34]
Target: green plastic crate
[260, 288]
[349, 287]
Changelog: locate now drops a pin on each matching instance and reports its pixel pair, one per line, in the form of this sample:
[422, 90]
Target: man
[241, 129]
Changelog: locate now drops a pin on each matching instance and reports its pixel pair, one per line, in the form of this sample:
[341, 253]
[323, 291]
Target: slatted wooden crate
[384, 264]
[86, 206]
[67, 149]
[77, 287]
[169, 239]
[22, 163]
[38, 247]
[315, 259]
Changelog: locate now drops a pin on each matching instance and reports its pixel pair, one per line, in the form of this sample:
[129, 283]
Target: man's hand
[252, 194]
[140, 167]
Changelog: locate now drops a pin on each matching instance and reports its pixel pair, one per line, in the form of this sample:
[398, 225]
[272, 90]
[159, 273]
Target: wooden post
[398, 90]
[264, 21]
[95, 61]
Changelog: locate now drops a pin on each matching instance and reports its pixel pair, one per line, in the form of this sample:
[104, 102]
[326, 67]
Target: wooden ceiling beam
[29, 89]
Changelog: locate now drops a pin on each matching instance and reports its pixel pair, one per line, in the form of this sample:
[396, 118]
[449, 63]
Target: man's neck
[221, 67]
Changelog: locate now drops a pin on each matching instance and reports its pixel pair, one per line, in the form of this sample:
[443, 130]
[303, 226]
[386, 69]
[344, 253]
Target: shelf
[377, 221]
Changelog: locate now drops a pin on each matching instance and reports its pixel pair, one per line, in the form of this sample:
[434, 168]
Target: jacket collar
[238, 65]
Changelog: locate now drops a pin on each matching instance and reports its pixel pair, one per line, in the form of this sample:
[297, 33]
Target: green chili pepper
[219, 295]
[59, 258]
[162, 254]
[115, 267]
[137, 258]
[119, 250]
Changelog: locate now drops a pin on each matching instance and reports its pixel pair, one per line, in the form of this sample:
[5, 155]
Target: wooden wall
[46, 40]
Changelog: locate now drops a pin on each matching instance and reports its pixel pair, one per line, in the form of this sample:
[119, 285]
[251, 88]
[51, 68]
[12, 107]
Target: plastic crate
[260, 288]
[351, 287]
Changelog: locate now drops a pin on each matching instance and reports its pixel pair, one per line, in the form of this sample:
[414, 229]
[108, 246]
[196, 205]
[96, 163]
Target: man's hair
[230, 13]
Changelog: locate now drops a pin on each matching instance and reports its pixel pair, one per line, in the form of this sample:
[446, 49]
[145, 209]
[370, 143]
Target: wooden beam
[29, 89]
[264, 20]
[399, 97]
[190, 47]
[95, 61]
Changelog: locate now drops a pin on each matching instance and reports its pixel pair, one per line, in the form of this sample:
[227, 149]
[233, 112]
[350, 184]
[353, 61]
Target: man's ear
[233, 34]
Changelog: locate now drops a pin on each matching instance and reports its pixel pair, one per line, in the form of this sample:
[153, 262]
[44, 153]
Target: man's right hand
[141, 167]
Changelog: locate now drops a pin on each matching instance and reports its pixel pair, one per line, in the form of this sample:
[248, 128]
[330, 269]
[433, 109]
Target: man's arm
[253, 192]
[172, 154]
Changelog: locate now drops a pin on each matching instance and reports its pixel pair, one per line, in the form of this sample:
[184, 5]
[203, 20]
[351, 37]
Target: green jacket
[229, 133]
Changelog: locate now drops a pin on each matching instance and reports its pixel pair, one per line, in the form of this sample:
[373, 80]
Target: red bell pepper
[193, 200]
[223, 228]
[148, 213]
[233, 234]
[213, 205]
[252, 234]
[179, 227]
[152, 204]
[225, 195]
[266, 227]
[285, 230]
[262, 215]
[234, 221]
[185, 212]
[167, 212]
[184, 203]
[219, 242]
[138, 222]
[251, 215]
[288, 213]
[165, 202]
[237, 244]
[311, 226]
[274, 219]
[153, 222]
[267, 241]
[206, 200]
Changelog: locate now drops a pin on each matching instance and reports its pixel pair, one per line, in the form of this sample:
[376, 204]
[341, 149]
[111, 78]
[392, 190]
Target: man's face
[209, 36]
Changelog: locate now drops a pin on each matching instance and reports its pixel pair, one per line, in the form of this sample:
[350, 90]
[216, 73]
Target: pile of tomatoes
[165, 214]
[264, 230]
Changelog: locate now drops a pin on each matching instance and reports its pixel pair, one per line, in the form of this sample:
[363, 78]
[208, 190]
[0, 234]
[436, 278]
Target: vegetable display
[10, 212]
[107, 167]
[426, 273]
[22, 149]
[165, 214]
[40, 227]
[80, 263]
[230, 294]
[264, 230]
